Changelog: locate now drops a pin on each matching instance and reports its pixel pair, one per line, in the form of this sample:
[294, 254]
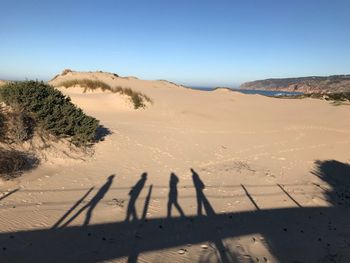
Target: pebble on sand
[204, 246]
[181, 251]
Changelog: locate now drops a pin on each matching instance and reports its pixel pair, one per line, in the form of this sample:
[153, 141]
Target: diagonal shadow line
[147, 201]
[250, 197]
[8, 194]
[295, 201]
[72, 208]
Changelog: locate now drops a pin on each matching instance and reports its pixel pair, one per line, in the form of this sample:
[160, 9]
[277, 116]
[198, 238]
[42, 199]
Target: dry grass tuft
[87, 84]
[137, 98]
[13, 163]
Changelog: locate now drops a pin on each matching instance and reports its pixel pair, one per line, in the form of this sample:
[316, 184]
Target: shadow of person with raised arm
[90, 206]
[134, 194]
[202, 202]
[172, 201]
[56, 225]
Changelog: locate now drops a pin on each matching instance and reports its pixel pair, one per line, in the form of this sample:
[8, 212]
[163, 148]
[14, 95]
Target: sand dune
[255, 159]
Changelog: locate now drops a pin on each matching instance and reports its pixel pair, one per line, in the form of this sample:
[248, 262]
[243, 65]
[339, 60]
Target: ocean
[268, 93]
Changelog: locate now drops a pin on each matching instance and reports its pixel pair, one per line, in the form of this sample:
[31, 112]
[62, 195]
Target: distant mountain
[330, 84]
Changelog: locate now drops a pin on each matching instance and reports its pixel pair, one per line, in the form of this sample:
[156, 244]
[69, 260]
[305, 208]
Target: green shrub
[52, 110]
[25, 126]
[339, 96]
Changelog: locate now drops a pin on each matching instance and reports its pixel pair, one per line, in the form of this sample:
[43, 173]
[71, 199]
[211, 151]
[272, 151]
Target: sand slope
[2, 82]
[255, 155]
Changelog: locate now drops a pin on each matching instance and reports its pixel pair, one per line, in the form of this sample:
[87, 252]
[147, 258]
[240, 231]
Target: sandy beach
[196, 176]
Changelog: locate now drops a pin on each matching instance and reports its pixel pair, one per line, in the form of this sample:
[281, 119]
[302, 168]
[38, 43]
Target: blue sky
[202, 43]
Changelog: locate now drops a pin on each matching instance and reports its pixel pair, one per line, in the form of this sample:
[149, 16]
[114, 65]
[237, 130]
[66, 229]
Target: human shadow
[310, 233]
[173, 196]
[90, 206]
[135, 248]
[202, 202]
[134, 193]
[59, 221]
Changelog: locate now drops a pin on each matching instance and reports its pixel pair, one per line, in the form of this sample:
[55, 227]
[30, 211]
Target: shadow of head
[111, 177]
[337, 175]
[196, 180]
[174, 178]
[144, 176]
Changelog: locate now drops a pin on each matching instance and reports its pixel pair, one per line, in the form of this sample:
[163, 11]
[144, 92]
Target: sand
[253, 194]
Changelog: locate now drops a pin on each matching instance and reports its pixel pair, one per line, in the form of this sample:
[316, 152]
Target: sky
[195, 43]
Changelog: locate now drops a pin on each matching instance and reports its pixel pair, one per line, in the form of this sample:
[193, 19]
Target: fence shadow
[300, 234]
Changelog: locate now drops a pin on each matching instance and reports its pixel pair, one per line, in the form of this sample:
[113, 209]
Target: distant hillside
[335, 83]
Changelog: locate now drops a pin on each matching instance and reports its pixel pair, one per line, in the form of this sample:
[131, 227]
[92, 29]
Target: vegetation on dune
[339, 96]
[2, 127]
[137, 98]
[15, 127]
[336, 96]
[38, 104]
[13, 163]
[87, 84]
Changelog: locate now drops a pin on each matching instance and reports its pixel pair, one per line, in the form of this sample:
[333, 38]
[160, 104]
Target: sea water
[269, 93]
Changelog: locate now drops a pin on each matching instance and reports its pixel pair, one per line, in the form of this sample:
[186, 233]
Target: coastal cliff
[330, 84]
